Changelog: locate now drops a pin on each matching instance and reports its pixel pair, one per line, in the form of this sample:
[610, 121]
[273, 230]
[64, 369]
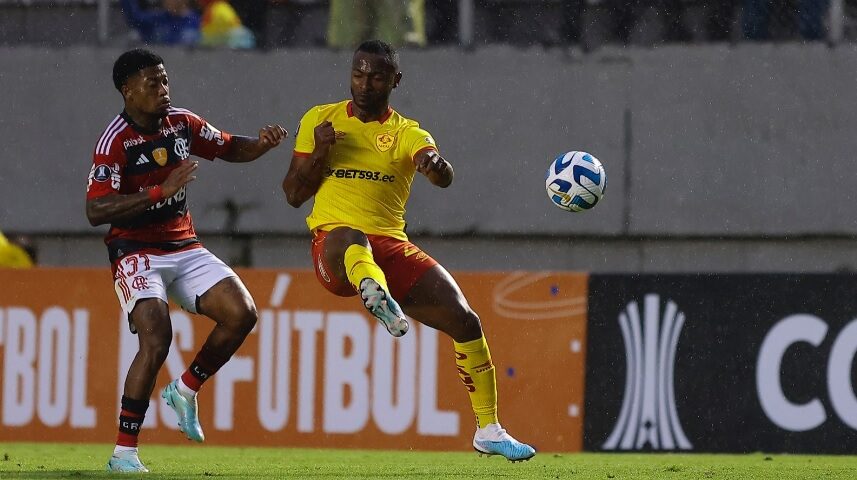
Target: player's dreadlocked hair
[132, 62]
[384, 49]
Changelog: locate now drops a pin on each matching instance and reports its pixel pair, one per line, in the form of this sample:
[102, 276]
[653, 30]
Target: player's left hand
[272, 135]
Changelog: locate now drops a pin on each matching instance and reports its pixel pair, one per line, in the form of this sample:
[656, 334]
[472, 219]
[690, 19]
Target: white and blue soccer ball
[576, 181]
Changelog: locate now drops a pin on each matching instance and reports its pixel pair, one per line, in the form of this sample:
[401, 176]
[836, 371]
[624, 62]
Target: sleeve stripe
[107, 145]
[301, 154]
[107, 132]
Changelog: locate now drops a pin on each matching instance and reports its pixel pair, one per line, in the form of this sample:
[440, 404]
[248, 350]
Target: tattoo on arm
[113, 208]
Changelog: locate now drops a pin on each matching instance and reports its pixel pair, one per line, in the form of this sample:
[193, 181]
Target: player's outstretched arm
[307, 171]
[434, 167]
[118, 207]
[247, 149]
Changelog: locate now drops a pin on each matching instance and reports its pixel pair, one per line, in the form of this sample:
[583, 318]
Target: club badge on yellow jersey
[384, 141]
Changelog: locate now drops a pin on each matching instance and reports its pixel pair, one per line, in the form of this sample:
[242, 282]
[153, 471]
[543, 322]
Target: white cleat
[126, 462]
[493, 440]
[382, 306]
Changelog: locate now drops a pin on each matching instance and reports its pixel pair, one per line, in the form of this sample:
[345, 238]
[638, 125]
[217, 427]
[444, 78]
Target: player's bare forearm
[306, 172]
[303, 178]
[115, 208]
[246, 149]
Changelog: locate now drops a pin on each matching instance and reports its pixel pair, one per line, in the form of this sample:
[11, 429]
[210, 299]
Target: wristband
[156, 194]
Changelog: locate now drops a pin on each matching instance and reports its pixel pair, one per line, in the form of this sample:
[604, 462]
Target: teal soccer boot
[185, 408]
[382, 306]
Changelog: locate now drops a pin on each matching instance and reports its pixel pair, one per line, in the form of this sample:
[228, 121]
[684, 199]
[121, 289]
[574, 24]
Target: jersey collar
[139, 128]
[381, 120]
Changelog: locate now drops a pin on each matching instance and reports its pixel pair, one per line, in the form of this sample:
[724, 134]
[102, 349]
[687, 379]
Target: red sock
[199, 371]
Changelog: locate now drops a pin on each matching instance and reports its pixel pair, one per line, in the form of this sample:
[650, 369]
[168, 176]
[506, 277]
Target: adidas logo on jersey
[142, 159]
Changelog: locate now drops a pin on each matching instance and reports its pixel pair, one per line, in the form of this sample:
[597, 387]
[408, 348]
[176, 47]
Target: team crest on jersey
[181, 148]
[160, 156]
[384, 141]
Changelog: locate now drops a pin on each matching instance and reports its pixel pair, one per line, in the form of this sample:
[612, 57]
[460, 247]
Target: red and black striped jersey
[128, 159]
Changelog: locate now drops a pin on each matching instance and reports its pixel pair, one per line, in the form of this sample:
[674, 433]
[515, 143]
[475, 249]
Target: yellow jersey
[13, 256]
[370, 169]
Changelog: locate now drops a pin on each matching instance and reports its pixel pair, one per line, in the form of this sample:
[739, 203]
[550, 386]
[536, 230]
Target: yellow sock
[477, 373]
[360, 264]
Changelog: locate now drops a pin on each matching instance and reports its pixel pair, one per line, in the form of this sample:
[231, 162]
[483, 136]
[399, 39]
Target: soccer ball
[576, 181]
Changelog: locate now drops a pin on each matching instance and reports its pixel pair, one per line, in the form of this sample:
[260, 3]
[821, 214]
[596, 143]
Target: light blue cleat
[382, 306]
[127, 462]
[185, 408]
[493, 440]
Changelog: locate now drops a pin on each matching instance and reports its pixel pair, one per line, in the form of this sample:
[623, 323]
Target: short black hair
[132, 62]
[379, 47]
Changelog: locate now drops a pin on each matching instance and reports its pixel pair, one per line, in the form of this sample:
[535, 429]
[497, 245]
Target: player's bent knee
[156, 341]
[249, 319]
[465, 325]
[470, 325]
[243, 319]
[155, 351]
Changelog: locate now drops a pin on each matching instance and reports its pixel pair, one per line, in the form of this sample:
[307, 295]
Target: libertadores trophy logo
[649, 418]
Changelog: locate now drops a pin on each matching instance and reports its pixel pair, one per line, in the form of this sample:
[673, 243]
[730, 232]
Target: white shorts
[183, 276]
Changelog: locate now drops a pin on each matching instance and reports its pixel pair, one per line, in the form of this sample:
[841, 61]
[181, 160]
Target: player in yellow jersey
[359, 157]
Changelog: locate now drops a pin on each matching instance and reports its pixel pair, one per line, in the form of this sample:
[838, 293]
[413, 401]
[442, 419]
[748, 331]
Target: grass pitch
[42, 460]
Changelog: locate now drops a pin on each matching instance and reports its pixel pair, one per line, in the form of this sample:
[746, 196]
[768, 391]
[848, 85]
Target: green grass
[42, 460]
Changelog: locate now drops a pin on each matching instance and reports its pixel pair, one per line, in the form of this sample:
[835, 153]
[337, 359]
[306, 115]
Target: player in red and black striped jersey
[129, 158]
[138, 184]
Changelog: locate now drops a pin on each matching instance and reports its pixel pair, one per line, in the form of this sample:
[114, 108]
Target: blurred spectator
[624, 15]
[254, 15]
[12, 255]
[397, 22]
[176, 23]
[221, 26]
[808, 14]
[257, 14]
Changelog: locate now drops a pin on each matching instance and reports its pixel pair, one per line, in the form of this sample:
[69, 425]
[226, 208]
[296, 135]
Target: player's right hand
[179, 177]
[324, 134]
